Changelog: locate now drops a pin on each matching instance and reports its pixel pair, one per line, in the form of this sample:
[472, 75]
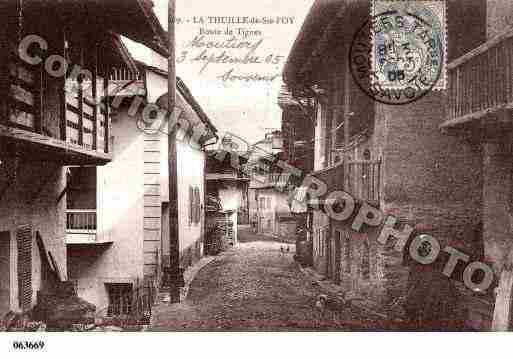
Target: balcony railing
[68, 124]
[81, 221]
[480, 81]
[278, 179]
[85, 121]
[123, 82]
[81, 226]
[361, 179]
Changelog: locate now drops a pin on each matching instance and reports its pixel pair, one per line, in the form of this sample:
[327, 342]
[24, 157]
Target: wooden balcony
[123, 82]
[361, 179]
[278, 180]
[480, 92]
[63, 123]
[266, 180]
[225, 177]
[80, 226]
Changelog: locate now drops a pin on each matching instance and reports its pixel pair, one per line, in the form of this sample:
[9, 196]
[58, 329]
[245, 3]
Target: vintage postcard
[261, 166]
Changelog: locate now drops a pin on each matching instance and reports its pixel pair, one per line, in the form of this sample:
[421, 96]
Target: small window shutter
[191, 205]
[198, 204]
[194, 206]
[24, 242]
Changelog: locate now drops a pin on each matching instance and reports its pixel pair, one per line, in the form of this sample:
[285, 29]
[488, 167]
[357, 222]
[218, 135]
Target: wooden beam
[38, 98]
[4, 69]
[80, 114]
[65, 148]
[174, 240]
[62, 92]
[95, 97]
[502, 310]
[347, 126]
[106, 121]
[454, 122]
[508, 33]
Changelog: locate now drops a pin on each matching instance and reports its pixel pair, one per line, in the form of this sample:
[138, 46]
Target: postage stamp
[409, 37]
[406, 56]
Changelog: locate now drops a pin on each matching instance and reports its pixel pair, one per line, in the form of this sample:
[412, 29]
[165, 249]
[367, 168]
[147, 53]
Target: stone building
[51, 118]
[392, 157]
[268, 198]
[478, 112]
[230, 186]
[125, 249]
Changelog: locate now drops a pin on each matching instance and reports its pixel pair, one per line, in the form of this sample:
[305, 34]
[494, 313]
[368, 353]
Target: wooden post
[63, 126]
[95, 98]
[347, 132]
[174, 242]
[4, 70]
[106, 118]
[502, 310]
[80, 114]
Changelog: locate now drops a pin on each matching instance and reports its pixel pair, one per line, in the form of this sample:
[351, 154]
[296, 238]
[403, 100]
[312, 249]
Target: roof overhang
[310, 37]
[134, 19]
[192, 109]
[29, 145]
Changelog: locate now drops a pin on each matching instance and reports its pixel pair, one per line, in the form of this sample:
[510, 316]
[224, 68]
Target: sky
[245, 108]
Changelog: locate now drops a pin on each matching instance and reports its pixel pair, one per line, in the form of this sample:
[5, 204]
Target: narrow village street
[254, 286]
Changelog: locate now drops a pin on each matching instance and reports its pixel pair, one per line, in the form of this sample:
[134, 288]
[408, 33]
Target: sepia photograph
[255, 167]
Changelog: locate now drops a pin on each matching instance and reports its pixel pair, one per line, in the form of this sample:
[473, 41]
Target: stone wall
[120, 219]
[32, 198]
[499, 16]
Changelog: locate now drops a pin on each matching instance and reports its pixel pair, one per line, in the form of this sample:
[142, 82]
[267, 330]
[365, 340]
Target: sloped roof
[186, 94]
[134, 19]
[321, 15]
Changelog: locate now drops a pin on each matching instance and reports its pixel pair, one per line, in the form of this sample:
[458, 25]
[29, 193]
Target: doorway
[5, 272]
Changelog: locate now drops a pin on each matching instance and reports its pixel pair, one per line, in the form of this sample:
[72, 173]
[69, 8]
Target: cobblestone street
[253, 286]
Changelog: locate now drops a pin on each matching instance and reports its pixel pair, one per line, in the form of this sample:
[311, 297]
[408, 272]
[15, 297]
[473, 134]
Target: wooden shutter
[197, 202]
[191, 205]
[24, 242]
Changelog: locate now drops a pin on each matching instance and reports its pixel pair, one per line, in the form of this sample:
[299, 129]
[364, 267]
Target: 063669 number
[26, 345]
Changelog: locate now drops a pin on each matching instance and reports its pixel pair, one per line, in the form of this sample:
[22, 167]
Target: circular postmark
[397, 56]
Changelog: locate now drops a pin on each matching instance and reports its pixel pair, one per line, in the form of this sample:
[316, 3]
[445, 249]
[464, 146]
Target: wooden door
[337, 253]
[328, 252]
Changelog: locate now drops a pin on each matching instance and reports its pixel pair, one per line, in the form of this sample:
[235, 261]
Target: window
[321, 238]
[24, 242]
[262, 202]
[321, 242]
[194, 205]
[347, 253]
[120, 299]
[317, 238]
[198, 205]
[365, 259]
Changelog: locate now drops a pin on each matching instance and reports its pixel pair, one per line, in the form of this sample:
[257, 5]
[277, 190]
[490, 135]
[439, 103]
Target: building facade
[391, 157]
[479, 113]
[52, 118]
[128, 248]
[230, 186]
[269, 210]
